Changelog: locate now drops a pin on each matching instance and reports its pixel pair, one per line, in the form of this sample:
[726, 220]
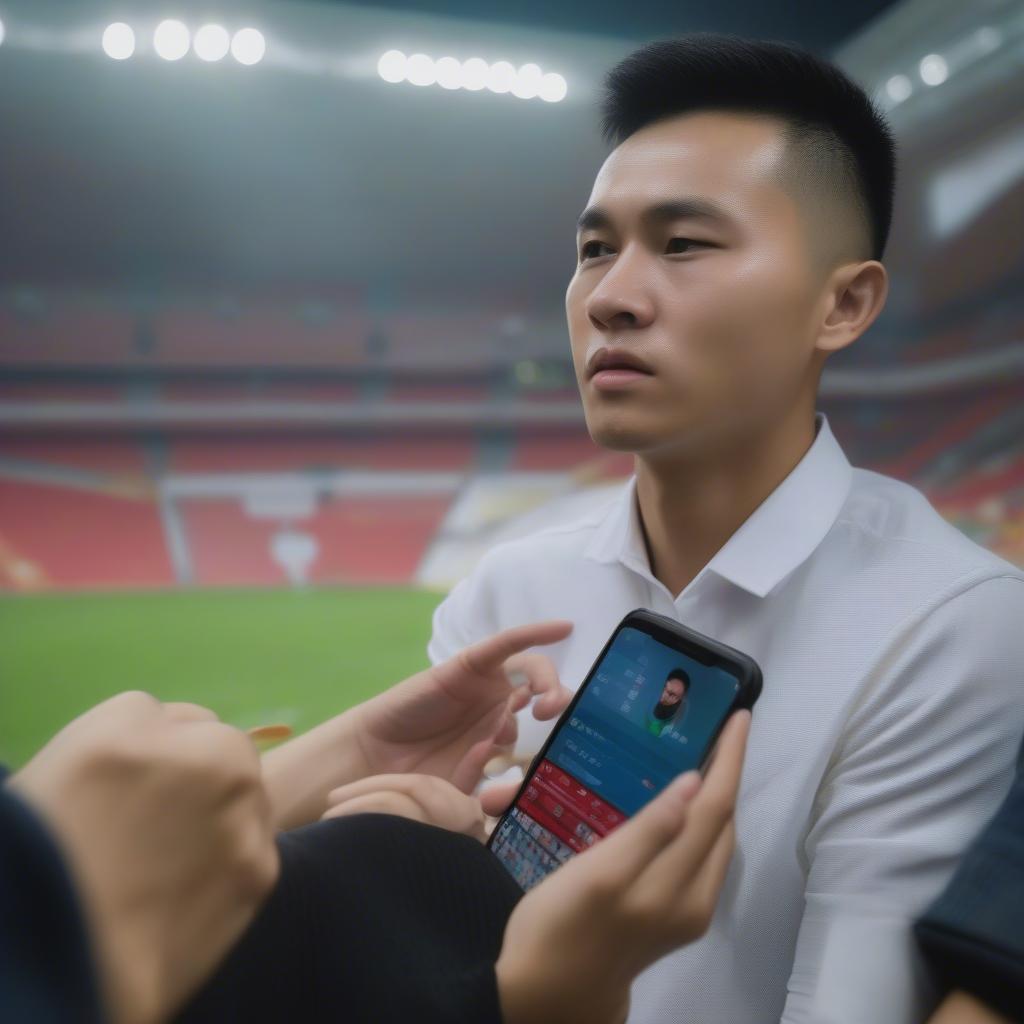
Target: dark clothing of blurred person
[357, 896]
[375, 918]
[46, 969]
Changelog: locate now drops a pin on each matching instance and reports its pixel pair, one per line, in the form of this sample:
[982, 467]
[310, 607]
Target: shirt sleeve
[926, 757]
[468, 613]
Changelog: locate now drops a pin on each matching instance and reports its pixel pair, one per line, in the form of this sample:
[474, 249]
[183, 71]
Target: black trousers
[375, 919]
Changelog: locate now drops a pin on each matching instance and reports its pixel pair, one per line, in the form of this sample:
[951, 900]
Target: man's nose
[622, 299]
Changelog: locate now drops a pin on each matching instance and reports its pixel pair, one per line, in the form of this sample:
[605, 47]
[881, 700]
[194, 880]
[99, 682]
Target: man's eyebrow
[595, 218]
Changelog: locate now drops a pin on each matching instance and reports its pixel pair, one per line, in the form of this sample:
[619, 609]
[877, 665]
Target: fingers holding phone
[648, 888]
[695, 860]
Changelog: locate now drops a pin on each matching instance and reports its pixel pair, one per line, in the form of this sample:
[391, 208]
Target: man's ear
[855, 294]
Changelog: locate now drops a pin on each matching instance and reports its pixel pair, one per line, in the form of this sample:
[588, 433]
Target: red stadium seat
[65, 537]
[359, 540]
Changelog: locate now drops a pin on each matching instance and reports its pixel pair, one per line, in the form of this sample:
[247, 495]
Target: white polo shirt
[893, 656]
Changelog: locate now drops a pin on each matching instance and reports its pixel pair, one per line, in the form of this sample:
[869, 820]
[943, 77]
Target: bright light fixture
[171, 39]
[528, 82]
[420, 70]
[248, 46]
[449, 73]
[474, 74]
[392, 66]
[211, 43]
[988, 38]
[118, 41]
[933, 69]
[3, 31]
[553, 88]
[899, 88]
[501, 77]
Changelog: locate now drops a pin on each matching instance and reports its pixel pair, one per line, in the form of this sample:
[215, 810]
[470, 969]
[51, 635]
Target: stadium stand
[205, 443]
[569, 452]
[275, 454]
[66, 335]
[63, 536]
[355, 541]
[102, 456]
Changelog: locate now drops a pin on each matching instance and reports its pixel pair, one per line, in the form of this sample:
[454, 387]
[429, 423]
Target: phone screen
[646, 713]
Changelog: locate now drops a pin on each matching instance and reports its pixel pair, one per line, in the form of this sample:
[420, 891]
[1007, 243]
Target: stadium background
[282, 347]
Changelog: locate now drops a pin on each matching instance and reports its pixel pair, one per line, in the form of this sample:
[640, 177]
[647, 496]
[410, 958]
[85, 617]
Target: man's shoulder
[523, 578]
[557, 545]
[898, 518]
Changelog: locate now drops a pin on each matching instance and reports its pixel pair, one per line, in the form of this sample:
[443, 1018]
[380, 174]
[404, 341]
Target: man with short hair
[732, 242]
[671, 702]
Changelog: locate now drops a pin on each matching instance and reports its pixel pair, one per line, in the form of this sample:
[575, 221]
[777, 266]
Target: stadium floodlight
[988, 38]
[118, 41]
[392, 66]
[211, 43]
[474, 74]
[449, 73]
[420, 70]
[933, 69]
[528, 82]
[553, 88]
[171, 39]
[248, 46]
[501, 77]
[899, 88]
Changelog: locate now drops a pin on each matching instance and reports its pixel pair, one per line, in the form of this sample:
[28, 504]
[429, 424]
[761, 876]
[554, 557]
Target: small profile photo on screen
[671, 702]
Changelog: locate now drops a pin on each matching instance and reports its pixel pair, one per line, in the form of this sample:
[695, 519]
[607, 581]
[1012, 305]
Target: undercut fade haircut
[841, 142]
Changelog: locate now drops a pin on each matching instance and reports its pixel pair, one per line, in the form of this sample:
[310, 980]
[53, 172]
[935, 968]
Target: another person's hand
[162, 815]
[448, 721]
[962, 1008]
[423, 798]
[575, 943]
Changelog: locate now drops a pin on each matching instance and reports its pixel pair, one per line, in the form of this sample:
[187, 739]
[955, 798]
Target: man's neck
[691, 505]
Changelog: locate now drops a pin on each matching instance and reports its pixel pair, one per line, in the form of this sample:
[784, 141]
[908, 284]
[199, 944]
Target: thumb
[496, 799]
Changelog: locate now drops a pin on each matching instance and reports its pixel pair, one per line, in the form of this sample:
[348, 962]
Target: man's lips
[620, 361]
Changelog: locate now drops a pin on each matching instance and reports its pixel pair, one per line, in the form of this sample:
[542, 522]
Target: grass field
[252, 656]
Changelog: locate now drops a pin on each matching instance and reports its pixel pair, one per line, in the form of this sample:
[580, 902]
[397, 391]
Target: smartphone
[651, 708]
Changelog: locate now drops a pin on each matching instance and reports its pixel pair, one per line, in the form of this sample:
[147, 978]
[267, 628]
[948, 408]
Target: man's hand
[423, 798]
[161, 813]
[575, 943]
[447, 721]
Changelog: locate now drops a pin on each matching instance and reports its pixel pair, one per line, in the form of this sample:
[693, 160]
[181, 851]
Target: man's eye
[592, 249]
[678, 245]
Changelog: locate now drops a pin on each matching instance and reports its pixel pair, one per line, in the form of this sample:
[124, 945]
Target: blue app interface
[648, 713]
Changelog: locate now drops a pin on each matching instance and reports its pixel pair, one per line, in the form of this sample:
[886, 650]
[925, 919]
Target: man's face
[672, 693]
[716, 296]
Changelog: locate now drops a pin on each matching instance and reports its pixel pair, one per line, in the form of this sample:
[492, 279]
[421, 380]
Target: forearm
[299, 774]
[961, 1008]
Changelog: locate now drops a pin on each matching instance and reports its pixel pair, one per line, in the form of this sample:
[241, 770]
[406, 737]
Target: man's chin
[631, 438]
[638, 435]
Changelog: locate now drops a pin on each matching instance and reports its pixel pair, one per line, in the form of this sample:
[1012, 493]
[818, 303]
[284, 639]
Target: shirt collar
[781, 534]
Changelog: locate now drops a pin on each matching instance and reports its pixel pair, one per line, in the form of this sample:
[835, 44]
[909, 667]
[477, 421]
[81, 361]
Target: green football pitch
[254, 657]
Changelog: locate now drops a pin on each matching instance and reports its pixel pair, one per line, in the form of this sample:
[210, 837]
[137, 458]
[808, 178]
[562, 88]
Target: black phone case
[693, 644]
